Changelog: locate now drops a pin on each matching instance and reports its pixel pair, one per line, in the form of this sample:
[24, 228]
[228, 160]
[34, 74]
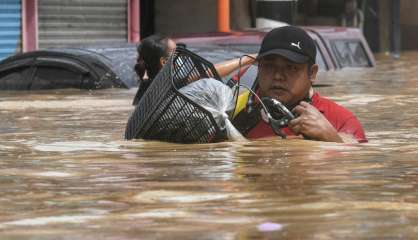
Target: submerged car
[338, 47]
[113, 66]
[90, 68]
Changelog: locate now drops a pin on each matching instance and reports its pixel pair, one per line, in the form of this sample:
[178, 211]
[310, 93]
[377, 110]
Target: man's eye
[292, 67]
[268, 66]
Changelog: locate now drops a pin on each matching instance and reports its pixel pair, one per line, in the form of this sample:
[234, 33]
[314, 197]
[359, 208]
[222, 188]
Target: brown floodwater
[67, 173]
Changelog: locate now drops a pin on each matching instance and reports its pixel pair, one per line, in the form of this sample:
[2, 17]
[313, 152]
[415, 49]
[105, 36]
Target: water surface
[67, 173]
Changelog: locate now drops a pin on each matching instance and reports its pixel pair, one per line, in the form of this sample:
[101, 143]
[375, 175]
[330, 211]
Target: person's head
[153, 52]
[286, 65]
[350, 6]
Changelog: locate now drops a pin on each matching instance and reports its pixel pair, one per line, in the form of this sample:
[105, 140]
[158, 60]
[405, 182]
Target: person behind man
[286, 72]
[352, 16]
[153, 53]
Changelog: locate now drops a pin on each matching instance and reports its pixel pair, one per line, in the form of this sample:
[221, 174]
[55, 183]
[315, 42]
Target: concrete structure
[186, 16]
[64, 23]
[409, 24]
[223, 8]
[31, 24]
[386, 29]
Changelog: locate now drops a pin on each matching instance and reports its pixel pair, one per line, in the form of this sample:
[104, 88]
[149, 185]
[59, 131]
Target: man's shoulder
[328, 106]
[340, 117]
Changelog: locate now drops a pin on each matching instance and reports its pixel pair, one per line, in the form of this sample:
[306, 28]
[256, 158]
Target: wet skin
[283, 80]
[290, 83]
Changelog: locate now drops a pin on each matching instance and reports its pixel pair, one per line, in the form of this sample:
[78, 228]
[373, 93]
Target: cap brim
[290, 55]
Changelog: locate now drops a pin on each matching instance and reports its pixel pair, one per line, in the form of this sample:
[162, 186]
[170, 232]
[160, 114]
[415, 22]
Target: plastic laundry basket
[164, 114]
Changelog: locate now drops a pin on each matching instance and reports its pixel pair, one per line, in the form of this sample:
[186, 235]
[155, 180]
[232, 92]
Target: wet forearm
[227, 67]
[332, 136]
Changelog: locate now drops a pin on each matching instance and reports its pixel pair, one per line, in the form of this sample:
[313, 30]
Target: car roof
[221, 52]
[247, 41]
[110, 66]
[322, 35]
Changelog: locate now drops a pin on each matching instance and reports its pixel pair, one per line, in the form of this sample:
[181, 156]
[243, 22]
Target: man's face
[283, 80]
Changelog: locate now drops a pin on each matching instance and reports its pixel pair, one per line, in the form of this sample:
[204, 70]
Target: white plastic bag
[218, 99]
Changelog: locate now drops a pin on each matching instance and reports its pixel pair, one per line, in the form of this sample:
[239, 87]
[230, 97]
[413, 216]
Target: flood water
[67, 173]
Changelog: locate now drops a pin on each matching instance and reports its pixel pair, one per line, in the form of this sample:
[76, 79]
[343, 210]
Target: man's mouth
[278, 89]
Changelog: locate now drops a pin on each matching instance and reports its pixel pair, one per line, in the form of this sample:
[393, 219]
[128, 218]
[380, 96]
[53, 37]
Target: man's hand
[312, 124]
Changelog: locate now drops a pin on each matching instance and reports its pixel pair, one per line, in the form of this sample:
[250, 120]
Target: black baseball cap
[290, 42]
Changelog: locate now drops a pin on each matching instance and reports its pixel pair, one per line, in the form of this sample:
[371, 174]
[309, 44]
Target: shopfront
[10, 27]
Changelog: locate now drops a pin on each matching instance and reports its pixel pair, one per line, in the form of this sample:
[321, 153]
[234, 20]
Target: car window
[48, 77]
[217, 53]
[16, 78]
[254, 48]
[248, 78]
[320, 58]
[350, 53]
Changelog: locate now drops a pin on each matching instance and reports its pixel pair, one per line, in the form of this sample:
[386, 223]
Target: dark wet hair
[150, 50]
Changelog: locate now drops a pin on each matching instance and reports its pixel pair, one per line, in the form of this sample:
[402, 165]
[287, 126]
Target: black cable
[238, 85]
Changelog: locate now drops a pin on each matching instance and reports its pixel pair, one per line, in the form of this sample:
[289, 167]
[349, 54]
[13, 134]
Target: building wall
[187, 16]
[243, 14]
[384, 25]
[409, 24]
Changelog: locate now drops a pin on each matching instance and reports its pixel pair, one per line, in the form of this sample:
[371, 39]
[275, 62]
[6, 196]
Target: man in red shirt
[286, 72]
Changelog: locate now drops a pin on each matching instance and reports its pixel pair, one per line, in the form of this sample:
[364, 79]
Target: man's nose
[279, 74]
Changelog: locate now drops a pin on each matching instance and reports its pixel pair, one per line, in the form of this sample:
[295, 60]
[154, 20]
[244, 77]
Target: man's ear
[163, 61]
[313, 72]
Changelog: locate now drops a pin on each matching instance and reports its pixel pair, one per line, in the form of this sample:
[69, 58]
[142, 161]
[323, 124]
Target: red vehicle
[112, 66]
[338, 47]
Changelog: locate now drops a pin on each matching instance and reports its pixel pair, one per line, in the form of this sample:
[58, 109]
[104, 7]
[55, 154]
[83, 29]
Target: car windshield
[350, 53]
[247, 48]
[221, 52]
[216, 53]
[320, 59]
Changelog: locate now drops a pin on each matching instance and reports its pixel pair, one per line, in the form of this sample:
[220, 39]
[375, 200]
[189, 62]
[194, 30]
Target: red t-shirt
[342, 119]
